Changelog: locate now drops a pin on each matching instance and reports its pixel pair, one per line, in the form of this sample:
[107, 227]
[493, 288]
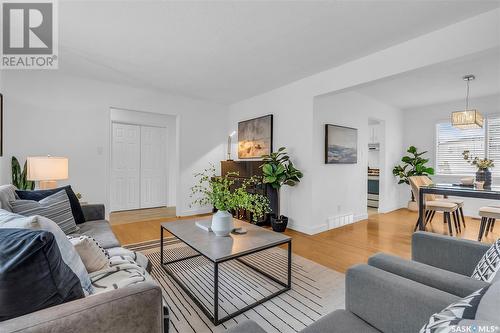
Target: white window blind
[493, 135]
[450, 144]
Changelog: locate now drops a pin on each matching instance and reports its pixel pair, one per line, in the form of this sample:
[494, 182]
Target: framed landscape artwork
[341, 145]
[255, 137]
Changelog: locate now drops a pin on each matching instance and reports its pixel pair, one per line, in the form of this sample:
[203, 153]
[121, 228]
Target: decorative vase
[279, 224]
[222, 223]
[484, 175]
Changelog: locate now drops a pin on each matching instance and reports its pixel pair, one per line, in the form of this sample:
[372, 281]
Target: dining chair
[432, 205]
[459, 202]
[489, 215]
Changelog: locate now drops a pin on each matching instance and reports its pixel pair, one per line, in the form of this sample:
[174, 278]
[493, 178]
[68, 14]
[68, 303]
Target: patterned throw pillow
[489, 265]
[55, 207]
[461, 316]
[94, 257]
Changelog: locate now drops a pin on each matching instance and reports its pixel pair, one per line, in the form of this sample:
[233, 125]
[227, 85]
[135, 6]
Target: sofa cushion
[94, 257]
[453, 283]
[340, 321]
[69, 254]
[247, 326]
[38, 195]
[33, 275]
[466, 314]
[487, 268]
[101, 231]
[55, 207]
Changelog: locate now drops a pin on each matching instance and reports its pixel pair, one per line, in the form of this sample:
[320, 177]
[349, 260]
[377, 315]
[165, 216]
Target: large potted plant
[278, 170]
[222, 193]
[483, 165]
[414, 164]
[20, 176]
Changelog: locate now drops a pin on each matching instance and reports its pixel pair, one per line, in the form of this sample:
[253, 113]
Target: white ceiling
[440, 83]
[227, 51]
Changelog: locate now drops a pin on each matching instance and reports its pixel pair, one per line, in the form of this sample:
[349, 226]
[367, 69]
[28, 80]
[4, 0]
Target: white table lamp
[47, 170]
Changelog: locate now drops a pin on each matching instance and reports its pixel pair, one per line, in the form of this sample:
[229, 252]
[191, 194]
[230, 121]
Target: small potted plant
[483, 166]
[413, 165]
[221, 193]
[278, 170]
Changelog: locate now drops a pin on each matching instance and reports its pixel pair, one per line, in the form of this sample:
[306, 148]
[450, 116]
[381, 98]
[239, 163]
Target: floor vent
[340, 220]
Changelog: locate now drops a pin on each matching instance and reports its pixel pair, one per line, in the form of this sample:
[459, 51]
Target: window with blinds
[450, 144]
[493, 130]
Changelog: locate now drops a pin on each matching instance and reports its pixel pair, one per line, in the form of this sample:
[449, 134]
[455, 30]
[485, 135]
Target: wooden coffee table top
[223, 248]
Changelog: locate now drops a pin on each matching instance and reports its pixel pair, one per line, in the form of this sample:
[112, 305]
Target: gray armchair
[391, 294]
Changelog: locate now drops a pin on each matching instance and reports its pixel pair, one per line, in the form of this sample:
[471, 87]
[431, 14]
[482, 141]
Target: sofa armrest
[94, 212]
[135, 309]
[391, 303]
[449, 253]
[450, 282]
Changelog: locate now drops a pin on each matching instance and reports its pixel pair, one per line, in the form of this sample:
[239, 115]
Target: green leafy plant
[278, 170]
[225, 195]
[480, 163]
[414, 164]
[19, 177]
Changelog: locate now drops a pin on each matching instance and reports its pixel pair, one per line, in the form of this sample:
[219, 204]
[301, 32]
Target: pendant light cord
[467, 97]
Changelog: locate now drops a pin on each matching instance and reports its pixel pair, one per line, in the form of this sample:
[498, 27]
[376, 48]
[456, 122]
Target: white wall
[49, 113]
[342, 188]
[420, 131]
[292, 105]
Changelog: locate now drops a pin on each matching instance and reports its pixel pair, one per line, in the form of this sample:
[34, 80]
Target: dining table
[454, 190]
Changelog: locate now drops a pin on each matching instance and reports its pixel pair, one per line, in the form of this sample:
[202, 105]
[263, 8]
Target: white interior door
[125, 170]
[153, 167]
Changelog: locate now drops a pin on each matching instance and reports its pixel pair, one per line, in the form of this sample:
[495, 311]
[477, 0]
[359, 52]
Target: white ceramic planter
[222, 223]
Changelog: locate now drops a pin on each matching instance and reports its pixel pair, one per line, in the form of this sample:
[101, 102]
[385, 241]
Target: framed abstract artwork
[255, 137]
[341, 145]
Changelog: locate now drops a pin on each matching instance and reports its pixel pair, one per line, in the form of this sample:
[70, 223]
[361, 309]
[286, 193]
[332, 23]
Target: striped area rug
[316, 290]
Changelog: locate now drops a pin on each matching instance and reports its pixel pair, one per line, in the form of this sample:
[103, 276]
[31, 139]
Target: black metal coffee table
[218, 250]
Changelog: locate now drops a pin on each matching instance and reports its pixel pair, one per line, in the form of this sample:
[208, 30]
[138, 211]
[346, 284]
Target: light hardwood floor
[139, 215]
[338, 248]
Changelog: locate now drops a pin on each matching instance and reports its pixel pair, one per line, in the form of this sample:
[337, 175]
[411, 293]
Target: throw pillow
[33, 275]
[68, 252]
[94, 257]
[489, 265]
[55, 207]
[38, 195]
[467, 313]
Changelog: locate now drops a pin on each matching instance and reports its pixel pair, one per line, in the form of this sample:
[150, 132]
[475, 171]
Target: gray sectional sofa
[134, 309]
[391, 294]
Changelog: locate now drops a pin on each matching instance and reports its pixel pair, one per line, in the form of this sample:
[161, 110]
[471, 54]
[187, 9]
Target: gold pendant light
[469, 118]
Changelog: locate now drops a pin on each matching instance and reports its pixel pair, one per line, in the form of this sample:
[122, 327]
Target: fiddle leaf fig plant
[19, 177]
[278, 170]
[414, 164]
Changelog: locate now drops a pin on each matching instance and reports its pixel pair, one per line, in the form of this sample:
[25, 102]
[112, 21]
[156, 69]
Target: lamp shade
[41, 168]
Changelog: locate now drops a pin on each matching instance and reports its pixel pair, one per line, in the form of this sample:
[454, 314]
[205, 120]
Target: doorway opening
[375, 137]
[142, 166]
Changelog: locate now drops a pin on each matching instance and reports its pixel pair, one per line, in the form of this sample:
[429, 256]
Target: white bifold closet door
[153, 167]
[138, 172]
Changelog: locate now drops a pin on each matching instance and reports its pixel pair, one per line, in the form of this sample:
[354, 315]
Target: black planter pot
[484, 176]
[279, 224]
